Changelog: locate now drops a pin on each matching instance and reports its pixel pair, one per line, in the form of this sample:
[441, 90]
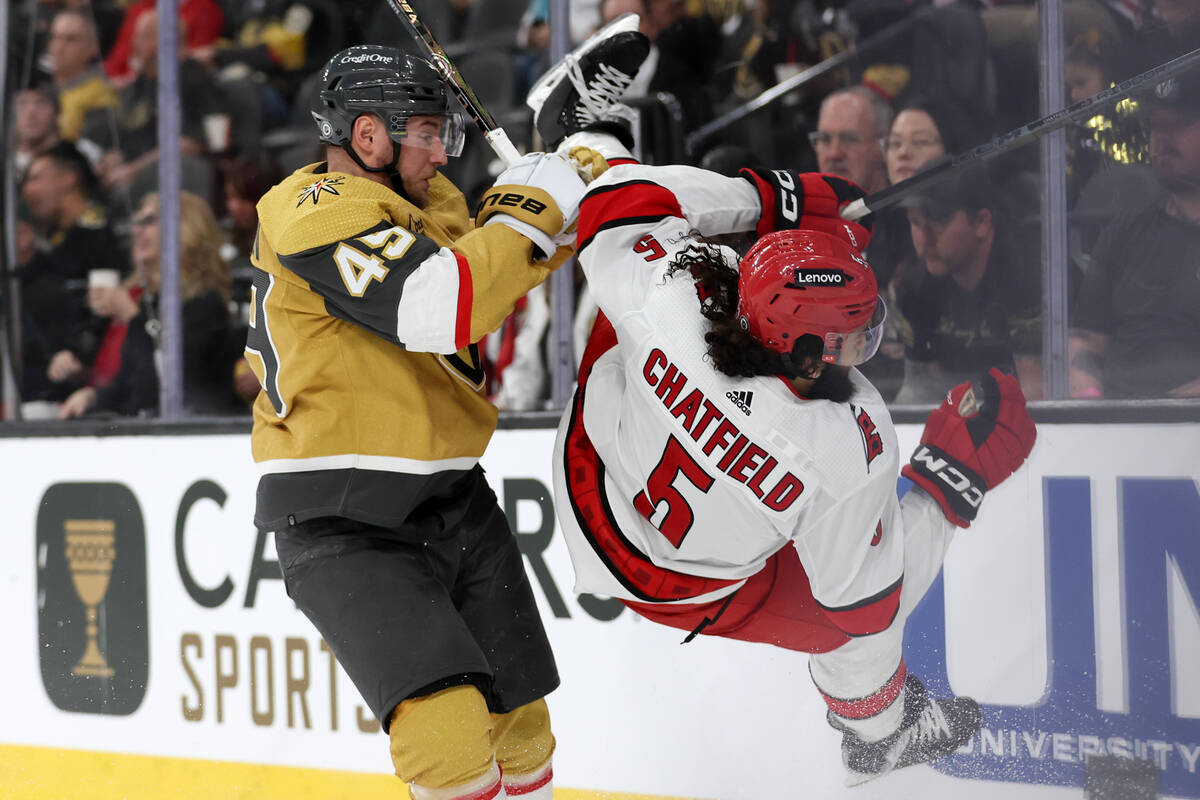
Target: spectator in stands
[850, 127]
[74, 52]
[203, 21]
[209, 346]
[35, 128]
[1135, 330]
[135, 146]
[924, 129]
[977, 302]
[60, 336]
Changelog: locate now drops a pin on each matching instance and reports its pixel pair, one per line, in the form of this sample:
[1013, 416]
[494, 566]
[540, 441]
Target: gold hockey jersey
[365, 314]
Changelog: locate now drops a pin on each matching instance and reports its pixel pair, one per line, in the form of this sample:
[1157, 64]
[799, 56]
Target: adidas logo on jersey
[741, 400]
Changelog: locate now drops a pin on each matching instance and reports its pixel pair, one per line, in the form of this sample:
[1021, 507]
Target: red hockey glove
[807, 200]
[966, 450]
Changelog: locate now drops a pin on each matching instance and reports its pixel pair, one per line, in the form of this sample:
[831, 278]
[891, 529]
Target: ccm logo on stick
[950, 475]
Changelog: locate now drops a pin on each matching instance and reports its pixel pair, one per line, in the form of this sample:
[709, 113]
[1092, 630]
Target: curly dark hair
[731, 347]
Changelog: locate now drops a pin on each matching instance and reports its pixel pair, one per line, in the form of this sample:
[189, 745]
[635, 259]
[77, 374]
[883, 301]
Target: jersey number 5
[661, 503]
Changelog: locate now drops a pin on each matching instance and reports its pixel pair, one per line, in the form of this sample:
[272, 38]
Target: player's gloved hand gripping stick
[538, 197]
[971, 444]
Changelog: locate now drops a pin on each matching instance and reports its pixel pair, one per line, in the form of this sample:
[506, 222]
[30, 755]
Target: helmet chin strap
[391, 169]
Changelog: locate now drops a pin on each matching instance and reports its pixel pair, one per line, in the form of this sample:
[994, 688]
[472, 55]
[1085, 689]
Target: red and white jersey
[681, 480]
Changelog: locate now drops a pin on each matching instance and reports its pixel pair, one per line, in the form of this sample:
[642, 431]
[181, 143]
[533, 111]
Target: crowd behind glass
[957, 260]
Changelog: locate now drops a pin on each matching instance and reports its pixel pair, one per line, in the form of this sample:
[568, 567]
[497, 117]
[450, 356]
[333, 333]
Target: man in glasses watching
[851, 124]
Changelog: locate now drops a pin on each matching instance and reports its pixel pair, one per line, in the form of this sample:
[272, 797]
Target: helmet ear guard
[795, 283]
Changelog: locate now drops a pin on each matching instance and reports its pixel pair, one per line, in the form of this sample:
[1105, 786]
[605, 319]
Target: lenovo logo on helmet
[377, 58]
[805, 278]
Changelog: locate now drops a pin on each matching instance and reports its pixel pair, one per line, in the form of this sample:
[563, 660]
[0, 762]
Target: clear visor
[856, 347]
[448, 133]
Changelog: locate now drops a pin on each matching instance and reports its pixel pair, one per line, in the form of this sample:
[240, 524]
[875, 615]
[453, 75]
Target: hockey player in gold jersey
[372, 288]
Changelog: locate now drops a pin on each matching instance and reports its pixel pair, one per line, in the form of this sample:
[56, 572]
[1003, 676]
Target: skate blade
[855, 778]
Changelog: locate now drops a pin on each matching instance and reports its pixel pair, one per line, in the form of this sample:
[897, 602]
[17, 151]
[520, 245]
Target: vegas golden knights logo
[92, 619]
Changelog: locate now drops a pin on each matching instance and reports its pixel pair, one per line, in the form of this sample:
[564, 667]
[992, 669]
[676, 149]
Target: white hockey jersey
[683, 481]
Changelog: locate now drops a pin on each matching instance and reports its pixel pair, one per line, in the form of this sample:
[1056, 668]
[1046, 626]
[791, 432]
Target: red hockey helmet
[798, 282]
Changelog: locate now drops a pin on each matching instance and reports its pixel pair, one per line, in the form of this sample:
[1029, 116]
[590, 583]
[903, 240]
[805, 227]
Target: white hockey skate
[587, 85]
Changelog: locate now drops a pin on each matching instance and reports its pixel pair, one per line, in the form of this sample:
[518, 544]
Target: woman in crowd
[209, 348]
[925, 128]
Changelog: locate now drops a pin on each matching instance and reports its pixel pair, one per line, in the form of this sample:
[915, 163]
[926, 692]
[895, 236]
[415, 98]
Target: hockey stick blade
[1084, 109]
[492, 132]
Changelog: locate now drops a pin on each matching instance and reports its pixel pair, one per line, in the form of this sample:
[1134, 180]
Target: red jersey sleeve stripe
[872, 704]
[466, 297]
[868, 616]
[625, 203]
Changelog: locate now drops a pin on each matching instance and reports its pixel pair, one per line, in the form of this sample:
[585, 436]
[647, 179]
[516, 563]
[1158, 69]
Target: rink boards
[1069, 610]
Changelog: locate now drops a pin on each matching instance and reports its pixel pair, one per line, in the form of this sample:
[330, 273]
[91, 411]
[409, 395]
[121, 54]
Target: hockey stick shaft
[492, 132]
[1084, 109]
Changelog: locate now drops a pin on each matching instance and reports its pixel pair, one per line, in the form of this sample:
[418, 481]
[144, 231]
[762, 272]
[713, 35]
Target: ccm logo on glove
[958, 478]
[789, 205]
[971, 443]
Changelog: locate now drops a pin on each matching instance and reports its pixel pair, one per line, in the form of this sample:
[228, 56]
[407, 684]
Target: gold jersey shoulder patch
[322, 186]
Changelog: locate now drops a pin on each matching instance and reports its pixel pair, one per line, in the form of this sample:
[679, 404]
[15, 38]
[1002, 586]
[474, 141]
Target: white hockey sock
[489, 787]
[878, 726]
[874, 716]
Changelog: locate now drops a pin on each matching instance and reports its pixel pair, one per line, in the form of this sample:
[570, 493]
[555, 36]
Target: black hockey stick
[1084, 109]
[492, 132]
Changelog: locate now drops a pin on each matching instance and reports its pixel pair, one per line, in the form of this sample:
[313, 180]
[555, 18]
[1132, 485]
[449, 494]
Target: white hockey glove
[538, 197]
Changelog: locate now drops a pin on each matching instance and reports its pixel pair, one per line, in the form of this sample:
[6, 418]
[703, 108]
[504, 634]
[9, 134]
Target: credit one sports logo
[1051, 742]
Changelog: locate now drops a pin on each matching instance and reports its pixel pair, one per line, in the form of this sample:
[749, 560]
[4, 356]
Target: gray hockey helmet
[390, 83]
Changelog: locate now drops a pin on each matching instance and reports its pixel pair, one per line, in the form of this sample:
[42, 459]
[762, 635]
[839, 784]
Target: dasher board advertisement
[151, 650]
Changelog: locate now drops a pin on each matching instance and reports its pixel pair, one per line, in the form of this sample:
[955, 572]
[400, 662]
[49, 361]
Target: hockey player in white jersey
[723, 468]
